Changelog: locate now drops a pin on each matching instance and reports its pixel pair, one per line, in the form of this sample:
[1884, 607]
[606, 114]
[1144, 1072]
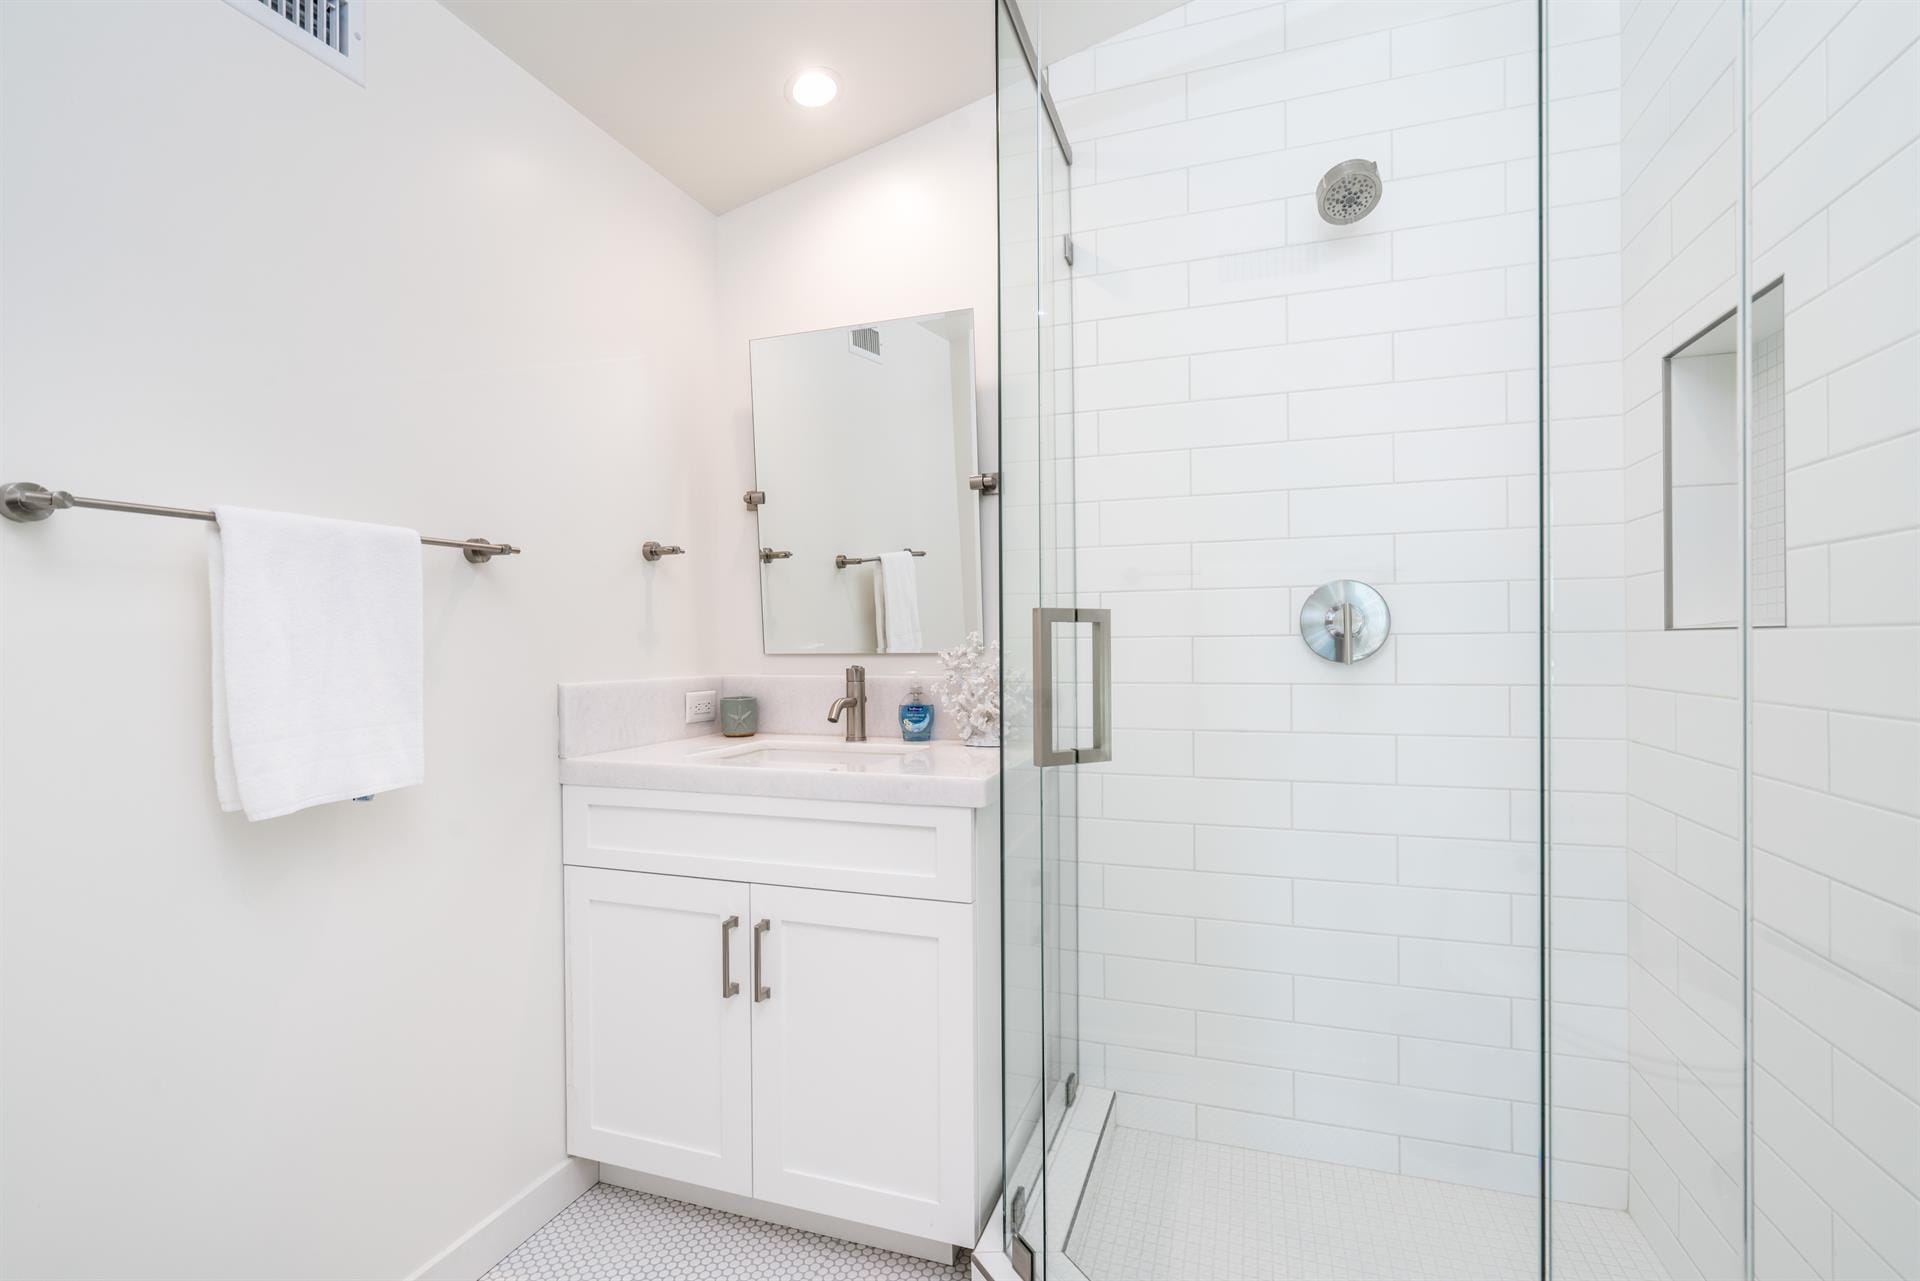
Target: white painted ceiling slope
[697, 88]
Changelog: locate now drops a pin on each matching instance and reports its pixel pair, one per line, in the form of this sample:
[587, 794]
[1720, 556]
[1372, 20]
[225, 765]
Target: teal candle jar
[740, 716]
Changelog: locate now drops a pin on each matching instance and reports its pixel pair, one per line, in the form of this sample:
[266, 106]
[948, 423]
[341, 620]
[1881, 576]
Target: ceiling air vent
[865, 342]
[327, 29]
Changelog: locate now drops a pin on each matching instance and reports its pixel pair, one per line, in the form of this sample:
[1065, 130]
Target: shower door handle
[1044, 750]
[1102, 749]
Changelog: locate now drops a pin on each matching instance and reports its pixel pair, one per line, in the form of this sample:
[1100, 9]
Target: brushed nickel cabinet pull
[728, 985]
[760, 990]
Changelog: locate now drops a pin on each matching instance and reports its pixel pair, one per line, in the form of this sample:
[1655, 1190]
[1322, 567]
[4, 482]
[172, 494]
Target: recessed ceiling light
[813, 87]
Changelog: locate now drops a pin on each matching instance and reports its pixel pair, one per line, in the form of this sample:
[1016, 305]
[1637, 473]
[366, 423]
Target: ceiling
[697, 88]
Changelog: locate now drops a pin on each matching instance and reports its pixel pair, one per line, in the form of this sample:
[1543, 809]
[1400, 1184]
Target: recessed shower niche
[1703, 472]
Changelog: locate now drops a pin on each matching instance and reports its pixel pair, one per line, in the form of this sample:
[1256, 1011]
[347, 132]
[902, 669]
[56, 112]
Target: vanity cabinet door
[863, 1059]
[659, 1069]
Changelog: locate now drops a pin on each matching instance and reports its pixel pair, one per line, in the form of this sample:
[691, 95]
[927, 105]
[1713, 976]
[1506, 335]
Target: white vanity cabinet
[789, 1004]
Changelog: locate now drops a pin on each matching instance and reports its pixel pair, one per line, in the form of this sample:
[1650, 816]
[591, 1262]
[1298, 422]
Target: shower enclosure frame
[1546, 578]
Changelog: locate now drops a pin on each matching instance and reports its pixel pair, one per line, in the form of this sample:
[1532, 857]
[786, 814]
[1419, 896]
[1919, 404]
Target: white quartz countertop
[881, 771]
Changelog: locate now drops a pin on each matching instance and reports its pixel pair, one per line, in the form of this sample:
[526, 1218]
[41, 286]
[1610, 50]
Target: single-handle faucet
[854, 704]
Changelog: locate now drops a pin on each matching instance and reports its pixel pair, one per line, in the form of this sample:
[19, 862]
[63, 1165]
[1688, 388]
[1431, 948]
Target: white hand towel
[316, 660]
[896, 604]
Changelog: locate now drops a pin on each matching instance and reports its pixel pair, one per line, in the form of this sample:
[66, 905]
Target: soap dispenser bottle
[916, 713]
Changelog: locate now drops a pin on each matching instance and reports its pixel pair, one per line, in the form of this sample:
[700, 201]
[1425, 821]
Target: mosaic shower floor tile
[1164, 1208]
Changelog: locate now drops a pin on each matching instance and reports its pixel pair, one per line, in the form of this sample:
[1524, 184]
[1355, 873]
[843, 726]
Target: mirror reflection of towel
[896, 605]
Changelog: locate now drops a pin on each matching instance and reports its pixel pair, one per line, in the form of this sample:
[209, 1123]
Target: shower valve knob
[1345, 621]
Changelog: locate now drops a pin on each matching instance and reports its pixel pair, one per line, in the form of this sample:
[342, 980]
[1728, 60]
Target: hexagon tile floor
[613, 1234]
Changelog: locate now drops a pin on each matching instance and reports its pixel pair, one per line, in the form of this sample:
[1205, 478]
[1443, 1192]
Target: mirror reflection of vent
[328, 29]
[864, 342]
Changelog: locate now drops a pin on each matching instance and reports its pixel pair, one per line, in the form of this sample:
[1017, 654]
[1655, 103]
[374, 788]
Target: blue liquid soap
[916, 717]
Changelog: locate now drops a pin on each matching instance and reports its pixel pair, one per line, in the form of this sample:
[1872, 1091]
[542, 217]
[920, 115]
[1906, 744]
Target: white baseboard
[494, 1237]
[787, 1217]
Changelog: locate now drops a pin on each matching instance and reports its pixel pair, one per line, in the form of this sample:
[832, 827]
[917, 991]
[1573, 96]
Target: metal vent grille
[324, 20]
[328, 29]
[865, 342]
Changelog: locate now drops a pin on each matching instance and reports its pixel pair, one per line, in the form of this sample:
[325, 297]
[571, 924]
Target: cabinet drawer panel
[902, 850]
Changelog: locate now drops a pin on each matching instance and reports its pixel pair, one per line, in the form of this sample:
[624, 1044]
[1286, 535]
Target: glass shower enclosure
[1460, 606]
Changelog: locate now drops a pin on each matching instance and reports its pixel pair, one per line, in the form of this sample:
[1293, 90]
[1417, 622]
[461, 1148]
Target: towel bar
[842, 561]
[26, 501]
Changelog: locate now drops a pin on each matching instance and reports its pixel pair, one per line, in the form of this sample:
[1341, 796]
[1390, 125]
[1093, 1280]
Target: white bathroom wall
[1310, 892]
[904, 229]
[329, 1044]
[1836, 718]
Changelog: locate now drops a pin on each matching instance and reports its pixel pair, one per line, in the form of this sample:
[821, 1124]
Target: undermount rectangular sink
[846, 758]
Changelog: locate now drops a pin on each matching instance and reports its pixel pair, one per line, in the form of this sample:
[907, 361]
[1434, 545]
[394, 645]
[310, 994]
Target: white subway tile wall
[1835, 206]
[1310, 893]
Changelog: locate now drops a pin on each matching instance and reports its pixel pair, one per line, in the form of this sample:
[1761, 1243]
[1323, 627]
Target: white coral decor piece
[969, 689]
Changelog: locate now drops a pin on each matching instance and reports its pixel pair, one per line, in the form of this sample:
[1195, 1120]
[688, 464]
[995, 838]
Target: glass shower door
[1041, 664]
[1308, 895]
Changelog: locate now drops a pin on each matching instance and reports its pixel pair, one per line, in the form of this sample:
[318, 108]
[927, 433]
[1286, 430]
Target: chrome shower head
[1349, 191]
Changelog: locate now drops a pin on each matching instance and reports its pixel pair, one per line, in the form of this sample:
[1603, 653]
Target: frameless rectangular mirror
[864, 445]
[1703, 472]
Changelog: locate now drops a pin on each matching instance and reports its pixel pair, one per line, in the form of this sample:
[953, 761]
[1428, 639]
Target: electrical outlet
[701, 705]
